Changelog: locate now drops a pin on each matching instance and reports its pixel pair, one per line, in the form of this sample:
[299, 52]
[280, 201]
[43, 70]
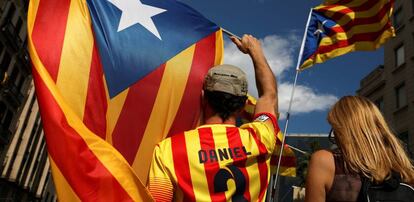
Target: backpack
[391, 190]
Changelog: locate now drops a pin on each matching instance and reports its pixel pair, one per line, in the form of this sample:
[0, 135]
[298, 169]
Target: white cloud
[305, 99]
[279, 52]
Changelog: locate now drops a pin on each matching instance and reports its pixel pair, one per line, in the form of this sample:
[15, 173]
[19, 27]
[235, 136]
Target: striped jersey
[215, 162]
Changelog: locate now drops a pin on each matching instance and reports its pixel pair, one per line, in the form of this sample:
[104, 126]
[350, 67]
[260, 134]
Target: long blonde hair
[367, 144]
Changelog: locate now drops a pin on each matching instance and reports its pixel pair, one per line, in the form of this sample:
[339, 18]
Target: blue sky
[280, 24]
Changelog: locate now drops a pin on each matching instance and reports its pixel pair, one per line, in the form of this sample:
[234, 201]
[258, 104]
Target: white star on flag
[133, 12]
[320, 29]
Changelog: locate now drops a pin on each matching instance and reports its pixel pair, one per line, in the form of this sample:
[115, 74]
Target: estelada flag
[338, 27]
[113, 78]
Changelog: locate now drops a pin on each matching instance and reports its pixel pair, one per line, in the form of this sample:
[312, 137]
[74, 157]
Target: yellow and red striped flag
[288, 161]
[110, 87]
[338, 27]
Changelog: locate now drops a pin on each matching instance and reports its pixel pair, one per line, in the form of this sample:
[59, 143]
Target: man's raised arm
[265, 79]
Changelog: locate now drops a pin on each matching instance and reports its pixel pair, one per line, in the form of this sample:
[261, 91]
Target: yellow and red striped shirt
[215, 163]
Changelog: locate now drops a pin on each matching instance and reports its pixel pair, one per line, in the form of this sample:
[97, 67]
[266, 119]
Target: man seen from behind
[218, 161]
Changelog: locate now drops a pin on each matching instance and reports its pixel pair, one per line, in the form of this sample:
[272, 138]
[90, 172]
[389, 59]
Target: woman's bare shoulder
[324, 159]
[320, 176]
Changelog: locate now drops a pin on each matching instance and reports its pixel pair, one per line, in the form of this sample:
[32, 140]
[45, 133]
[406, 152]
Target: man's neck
[218, 120]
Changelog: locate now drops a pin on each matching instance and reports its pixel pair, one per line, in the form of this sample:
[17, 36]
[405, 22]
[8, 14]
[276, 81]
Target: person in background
[366, 147]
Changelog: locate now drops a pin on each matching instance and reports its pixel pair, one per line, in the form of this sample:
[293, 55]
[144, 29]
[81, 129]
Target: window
[14, 74]
[412, 6]
[11, 12]
[380, 103]
[5, 191]
[2, 75]
[19, 25]
[3, 70]
[398, 18]
[7, 120]
[4, 64]
[400, 95]
[3, 109]
[20, 84]
[1, 47]
[26, 4]
[404, 138]
[399, 56]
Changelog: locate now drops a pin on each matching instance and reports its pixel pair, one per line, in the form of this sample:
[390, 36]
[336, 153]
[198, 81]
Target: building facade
[24, 164]
[391, 86]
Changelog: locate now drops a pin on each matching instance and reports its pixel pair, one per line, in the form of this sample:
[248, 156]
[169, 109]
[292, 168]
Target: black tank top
[346, 185]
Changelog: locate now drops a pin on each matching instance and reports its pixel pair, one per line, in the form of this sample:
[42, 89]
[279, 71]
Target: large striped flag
[338, 27]
[113, 78]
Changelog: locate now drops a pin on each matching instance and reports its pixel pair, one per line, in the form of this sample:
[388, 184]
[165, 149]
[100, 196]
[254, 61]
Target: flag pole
[274, 180]
[230, 33]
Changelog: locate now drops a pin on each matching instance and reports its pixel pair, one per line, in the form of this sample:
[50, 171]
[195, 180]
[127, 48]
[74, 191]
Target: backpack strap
[390, 184]
[365, 185]
[393, 182]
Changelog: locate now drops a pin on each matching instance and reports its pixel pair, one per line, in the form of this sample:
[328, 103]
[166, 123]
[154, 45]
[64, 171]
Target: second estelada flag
[339, 27]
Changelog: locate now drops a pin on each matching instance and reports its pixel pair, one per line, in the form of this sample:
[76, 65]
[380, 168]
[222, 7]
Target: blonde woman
[367, 147]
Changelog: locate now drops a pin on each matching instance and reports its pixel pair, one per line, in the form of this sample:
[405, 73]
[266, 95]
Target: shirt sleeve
[265, 128]
[159, 184]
